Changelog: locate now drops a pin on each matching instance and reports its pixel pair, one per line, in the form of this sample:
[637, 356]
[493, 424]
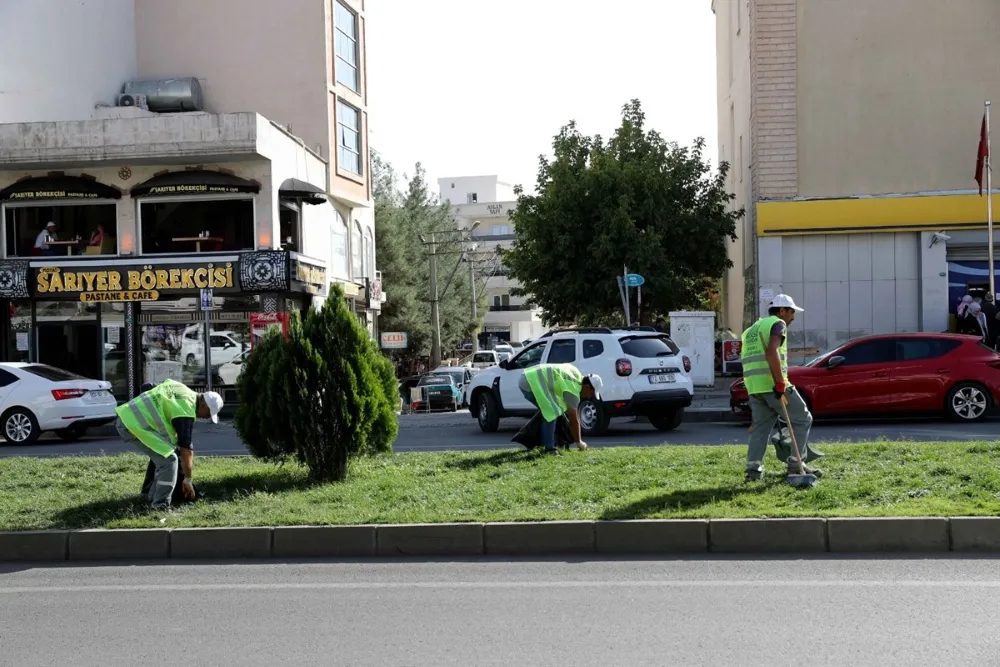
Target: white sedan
[35, 398]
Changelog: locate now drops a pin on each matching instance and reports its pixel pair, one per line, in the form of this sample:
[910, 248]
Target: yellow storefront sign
[143, 284]
[136, 295]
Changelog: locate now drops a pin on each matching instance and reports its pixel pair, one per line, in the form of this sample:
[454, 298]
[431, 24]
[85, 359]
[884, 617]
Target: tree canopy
[634, 200]
[400, 220]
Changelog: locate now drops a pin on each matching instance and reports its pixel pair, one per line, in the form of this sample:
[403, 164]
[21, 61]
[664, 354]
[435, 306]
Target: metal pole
[435, 310]
[989, 199]
[628, 298]
[475, 308]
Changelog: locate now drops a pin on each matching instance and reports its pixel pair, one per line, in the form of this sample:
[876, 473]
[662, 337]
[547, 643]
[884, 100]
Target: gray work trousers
[165, 478]
[765, 410]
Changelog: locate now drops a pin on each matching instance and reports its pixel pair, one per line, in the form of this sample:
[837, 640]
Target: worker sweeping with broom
[765, 372]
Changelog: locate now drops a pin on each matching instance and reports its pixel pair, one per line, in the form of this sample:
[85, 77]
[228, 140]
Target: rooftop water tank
[165, 95]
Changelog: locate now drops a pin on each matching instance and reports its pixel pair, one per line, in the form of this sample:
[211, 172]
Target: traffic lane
[209, 440]
[448, 432]
[862, 611]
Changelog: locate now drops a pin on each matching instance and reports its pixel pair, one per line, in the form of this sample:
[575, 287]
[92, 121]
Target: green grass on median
[865, 479]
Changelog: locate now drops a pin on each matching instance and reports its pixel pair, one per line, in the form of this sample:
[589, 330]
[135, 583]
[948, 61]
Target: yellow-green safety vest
[149, 415]
[548, 382]
[756, 373]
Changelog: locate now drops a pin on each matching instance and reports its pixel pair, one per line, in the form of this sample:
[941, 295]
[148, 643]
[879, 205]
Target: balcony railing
[510, 308]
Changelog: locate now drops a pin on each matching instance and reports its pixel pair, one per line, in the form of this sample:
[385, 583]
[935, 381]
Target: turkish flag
[984, 153]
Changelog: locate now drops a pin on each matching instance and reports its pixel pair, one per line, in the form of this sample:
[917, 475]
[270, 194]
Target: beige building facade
[852, 130]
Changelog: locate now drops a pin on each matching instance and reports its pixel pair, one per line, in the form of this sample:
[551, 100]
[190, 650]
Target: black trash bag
[530, 435]
[177, 497]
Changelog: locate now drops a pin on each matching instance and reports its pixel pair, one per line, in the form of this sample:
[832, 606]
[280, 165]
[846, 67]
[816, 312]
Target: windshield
[481, 357]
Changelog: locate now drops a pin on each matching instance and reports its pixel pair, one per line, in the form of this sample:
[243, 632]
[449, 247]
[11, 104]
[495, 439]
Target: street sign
[634, 280]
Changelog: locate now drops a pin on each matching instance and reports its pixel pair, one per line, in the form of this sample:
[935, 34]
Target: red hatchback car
[903, 373]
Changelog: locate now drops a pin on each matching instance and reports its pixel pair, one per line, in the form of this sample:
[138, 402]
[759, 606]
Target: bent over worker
[159, 423]
[765, 372]
[557, 389]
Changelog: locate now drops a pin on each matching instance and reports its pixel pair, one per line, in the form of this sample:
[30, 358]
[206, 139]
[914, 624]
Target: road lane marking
[175, 587]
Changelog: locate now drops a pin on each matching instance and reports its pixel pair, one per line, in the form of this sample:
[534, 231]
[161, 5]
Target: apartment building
[852, 128]
[201, 163]
[488, 201]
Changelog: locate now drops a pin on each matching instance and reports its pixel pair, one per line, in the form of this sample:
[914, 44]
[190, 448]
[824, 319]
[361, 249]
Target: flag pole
[989, 199]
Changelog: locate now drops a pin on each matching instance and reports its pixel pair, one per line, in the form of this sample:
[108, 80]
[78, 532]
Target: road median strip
[550, 538]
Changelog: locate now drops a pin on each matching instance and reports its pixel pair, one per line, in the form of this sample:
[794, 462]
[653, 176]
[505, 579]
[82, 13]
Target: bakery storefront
[134, 320]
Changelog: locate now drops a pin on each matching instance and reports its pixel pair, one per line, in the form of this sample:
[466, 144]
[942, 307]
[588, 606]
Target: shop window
[19, 338]
[69, 337]
[81, 229]
[230, 343]
[197, 226]
[289, 219]
[114, 348]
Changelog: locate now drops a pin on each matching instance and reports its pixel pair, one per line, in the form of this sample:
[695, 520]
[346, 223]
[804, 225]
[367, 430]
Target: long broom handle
[791, 431]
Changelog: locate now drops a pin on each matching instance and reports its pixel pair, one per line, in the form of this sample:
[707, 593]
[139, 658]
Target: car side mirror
[833, 362]
[503, 365]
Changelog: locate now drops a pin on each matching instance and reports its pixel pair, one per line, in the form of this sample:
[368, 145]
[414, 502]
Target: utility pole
[435, 309]
[475, 313]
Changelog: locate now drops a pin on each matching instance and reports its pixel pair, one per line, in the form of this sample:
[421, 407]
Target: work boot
[793, 469]
[755, 472]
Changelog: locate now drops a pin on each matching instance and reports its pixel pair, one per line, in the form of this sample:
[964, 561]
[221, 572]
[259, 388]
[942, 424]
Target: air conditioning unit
[132, 100]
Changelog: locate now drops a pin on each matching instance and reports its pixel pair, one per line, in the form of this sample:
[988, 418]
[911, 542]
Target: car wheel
[71, 434]
[667, 420]
[20, 426]
[454, 406]
[593, 420]
[488, 415]
[968, 402]
[190, 361]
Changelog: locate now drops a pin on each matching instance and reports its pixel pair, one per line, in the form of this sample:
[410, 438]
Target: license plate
[665, 378]
[100, 393]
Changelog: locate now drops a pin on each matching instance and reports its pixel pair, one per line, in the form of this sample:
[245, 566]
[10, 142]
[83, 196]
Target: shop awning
[293, 188]
[58, 187]
[195, 182]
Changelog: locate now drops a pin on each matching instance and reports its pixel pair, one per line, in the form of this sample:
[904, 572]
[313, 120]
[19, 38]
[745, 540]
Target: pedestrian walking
[765, 373]
[159, 423]
[978, 324]
[557, 389]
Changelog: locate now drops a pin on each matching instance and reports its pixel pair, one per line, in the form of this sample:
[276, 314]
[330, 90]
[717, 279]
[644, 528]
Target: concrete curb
[702, 415]
[548, 538]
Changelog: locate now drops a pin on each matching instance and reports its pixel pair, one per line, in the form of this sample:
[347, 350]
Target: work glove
[779, 390]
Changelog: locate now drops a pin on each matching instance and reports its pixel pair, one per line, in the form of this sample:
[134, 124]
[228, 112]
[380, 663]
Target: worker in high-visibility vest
[556, 390]
[159, 423]
[764, 356]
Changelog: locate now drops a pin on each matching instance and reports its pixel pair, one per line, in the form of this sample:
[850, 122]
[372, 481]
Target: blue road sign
[634, 280]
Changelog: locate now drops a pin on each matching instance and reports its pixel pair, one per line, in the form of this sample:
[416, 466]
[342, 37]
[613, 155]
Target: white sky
[477, 87]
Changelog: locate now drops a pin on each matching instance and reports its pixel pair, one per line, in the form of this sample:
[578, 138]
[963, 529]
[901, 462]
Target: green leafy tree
[401, 218]
[634, 200]
[328, 391]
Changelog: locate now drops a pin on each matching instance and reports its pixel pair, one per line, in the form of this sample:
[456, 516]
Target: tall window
[345, 25]
[339, 264]
[348, 138]
[356, 251]
[370, 256]
[366, 267]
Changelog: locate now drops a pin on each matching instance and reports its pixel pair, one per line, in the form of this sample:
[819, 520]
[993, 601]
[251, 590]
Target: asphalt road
[448, 431]
[860, 612]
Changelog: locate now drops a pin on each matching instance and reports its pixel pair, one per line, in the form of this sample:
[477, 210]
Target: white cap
[214, 403]
[51, 224]
[596, 382]
[784, 301]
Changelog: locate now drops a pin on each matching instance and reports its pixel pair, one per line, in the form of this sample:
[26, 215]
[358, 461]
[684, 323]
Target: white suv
[643, 371]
